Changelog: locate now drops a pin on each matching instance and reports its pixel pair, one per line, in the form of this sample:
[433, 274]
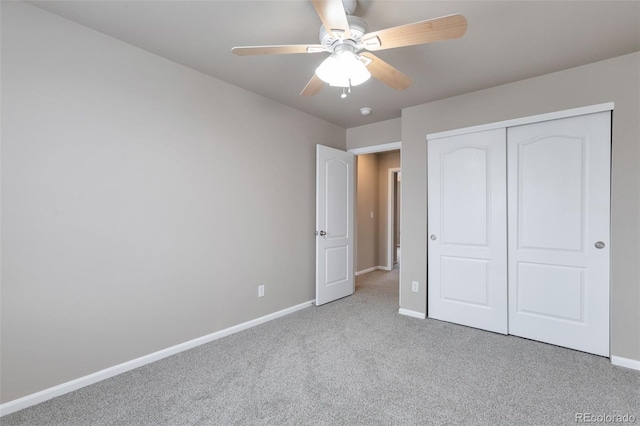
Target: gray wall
[367, 202]
[616, 80]
[387, 131]
[142, 202]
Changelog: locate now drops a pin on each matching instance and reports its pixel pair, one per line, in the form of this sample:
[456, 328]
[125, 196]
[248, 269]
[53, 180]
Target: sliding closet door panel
[559, 176]
[467, 264]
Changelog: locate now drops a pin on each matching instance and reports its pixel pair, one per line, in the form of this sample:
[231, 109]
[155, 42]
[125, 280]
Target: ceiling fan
[345, 37]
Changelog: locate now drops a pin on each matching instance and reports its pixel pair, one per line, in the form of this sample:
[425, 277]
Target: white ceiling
[506, 41]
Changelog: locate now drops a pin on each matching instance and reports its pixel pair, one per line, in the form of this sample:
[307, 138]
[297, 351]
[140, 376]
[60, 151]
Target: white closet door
[467, 253]
[559, 175]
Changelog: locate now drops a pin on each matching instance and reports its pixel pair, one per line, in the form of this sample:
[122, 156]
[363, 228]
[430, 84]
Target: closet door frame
[605, 107]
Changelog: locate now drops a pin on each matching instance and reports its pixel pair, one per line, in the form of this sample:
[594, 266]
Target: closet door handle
[599, 245]
[433, 237]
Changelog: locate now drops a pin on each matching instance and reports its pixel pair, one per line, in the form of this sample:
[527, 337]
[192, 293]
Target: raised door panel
[465, 196]
[337, 199]
[551, 220]
[536, 282]
[465, 280]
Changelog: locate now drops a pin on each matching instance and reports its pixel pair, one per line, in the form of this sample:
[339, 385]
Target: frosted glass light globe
[343, 69]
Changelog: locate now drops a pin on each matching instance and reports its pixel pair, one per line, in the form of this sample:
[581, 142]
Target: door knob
[433, 237]
[599, 245]
[322, 233]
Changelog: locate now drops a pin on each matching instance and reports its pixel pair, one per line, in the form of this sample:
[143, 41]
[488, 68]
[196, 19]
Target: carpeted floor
[355, 361]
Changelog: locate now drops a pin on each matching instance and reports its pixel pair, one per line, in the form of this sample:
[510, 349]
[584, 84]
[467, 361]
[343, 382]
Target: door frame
[591, 109]
[372, 149]
[391, 213]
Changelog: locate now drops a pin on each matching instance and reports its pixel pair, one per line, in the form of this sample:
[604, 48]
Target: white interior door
[559, 231]
[334, 224]
[467, 256]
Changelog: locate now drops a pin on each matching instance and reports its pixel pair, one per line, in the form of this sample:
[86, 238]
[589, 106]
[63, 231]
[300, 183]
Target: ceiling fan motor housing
[357, 26]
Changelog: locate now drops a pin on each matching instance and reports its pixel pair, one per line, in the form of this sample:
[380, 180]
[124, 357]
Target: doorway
[378, 204]
[393, 216]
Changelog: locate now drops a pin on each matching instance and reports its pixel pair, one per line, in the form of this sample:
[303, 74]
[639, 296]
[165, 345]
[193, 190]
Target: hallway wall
[387, 160]
[372, 193]
[366, 204]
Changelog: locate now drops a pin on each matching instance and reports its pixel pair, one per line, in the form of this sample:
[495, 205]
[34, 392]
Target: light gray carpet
[354, 362]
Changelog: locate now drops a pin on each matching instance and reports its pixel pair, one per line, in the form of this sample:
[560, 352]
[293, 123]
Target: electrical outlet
[260, 290]
[415, 286]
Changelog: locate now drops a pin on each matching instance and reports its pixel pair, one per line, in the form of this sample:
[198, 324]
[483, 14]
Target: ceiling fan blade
[313, 86]
[333, 17]
[278, 50]
[386, 73]
[438, 29]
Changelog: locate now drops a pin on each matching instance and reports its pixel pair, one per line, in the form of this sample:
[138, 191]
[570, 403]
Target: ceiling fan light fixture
[343, 35]
[343, 69]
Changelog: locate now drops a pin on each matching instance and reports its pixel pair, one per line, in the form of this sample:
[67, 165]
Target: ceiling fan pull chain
[346, 90]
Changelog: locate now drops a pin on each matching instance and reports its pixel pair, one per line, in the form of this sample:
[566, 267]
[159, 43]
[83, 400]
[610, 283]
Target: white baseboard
[374, 268]
[633, 364]
[413, 314]
[365, 271]
[47, 394]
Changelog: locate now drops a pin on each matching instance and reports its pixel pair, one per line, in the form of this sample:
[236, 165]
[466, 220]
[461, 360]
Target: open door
[334, 224]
